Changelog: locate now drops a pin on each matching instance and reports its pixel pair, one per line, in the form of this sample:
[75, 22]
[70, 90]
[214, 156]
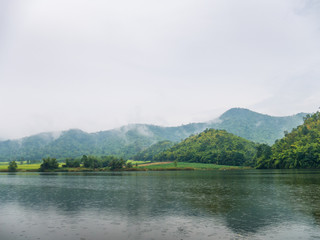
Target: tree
[72, 163]
[12, 166]
[263, 156]
[129, 165]
[175, 163]
[91, 162]
[116, 164]
[84, 158]
[49, 164]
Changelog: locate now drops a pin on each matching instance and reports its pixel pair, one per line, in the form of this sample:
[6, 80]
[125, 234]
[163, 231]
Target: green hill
[299, 148]
[212, 146]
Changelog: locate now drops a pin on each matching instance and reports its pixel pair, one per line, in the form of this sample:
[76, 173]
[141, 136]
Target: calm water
[161, 205]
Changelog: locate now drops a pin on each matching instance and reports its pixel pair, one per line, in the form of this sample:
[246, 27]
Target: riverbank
[155, 166]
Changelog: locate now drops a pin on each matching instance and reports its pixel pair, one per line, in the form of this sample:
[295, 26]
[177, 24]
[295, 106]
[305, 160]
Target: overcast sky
[97, 65]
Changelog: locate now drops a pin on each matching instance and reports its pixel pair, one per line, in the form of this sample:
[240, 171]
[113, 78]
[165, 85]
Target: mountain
[299, 148]
[212, 146]
[129, 140]
[257, 127]
[124, 142]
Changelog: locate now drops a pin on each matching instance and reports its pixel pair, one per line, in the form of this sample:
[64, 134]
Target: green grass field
[23, 167]
[137, 162]
[155, 166]
[196, 166]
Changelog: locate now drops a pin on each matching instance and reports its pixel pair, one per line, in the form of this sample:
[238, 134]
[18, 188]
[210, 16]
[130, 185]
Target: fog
[97, 65]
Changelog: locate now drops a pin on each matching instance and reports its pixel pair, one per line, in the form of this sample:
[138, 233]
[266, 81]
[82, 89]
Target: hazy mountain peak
[241, 113]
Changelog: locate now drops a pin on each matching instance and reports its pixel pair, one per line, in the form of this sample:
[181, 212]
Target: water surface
[253, 204]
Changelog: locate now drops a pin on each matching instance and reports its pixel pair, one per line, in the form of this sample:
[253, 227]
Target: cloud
[97, 65]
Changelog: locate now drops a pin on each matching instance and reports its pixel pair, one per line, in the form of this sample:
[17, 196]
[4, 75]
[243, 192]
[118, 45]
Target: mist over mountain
[129, 140]
[255, 126]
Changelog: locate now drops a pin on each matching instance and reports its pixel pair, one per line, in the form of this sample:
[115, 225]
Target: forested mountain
[255, 126]
[129, 140]
[212, 146]
[123, 142]
[299, 148]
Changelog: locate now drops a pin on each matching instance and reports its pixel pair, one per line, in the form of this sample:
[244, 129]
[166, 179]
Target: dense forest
[129, 141]
[212, 146]
[299, 148]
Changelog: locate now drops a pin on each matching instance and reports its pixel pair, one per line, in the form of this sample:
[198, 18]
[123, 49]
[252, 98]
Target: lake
[244, 204]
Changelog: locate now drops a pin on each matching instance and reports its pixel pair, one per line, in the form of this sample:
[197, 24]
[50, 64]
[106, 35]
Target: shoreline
[151, 166]
[126, 170]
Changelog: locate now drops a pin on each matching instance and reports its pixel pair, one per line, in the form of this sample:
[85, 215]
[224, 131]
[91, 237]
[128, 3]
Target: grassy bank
[21, 168]
[188, 166]
[142, 166]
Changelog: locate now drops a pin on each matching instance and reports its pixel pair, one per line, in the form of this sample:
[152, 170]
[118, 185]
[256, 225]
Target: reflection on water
[254, 204]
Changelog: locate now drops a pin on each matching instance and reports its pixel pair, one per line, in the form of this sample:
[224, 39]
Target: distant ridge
[257, 127]
[128, 140]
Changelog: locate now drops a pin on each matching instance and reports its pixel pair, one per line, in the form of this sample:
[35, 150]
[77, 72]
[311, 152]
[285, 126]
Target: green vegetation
[133, 140]
[91, 162]
[25, 167]
[12, 166]
[129, 165]
[189, 166]
[94, 162]
[117, 164]
[212, 146]
[134, 162]
[75, 143]
[264, 153]
[298, 149]
[49, 164]
[72, 163]
[175, 163]
[256, 127]
[149, 153]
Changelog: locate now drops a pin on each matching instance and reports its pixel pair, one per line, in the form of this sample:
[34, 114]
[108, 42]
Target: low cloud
[97, 65]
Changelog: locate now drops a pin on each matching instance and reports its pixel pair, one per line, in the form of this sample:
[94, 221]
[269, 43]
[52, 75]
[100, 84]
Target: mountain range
[129, 140]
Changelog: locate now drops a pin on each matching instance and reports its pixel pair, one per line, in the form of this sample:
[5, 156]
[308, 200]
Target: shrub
[49, 164]
[12, 166]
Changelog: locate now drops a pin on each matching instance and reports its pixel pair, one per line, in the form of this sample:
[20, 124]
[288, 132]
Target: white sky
[97, 65]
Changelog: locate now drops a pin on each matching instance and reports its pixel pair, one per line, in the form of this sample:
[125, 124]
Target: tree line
[90, 162]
